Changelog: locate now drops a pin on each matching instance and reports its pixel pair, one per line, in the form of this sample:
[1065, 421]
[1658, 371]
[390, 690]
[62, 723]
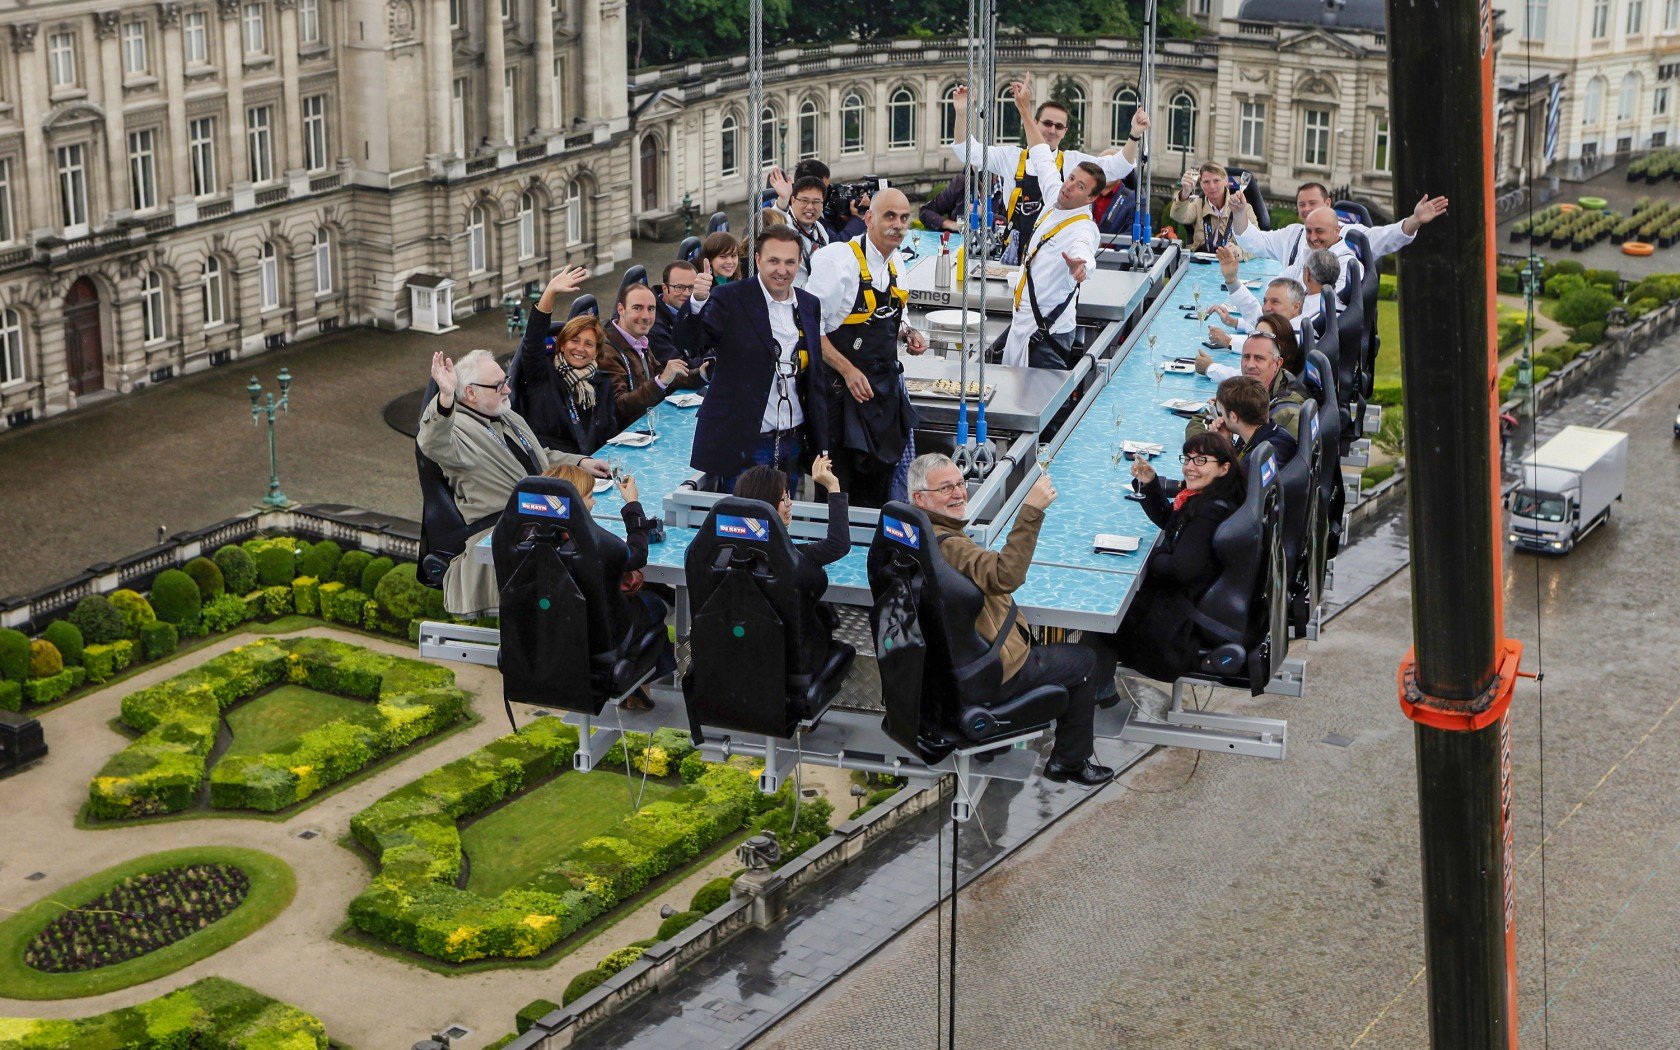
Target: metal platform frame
[1209, 730]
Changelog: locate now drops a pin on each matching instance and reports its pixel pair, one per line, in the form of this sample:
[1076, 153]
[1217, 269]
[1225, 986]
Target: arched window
[1121, 106]
[1630, 97]
[153, 319]
[527, 226]
[767, 151]
[810, 130]
[901, 119]
[1594, 109]
[729, 145]
[851, 123]
[323, 262]
[948, 116]
[1009, 119]
[215, 301]
[1181, 122]
[574, 213]
[268, 276]
[1078, 128]
[11, 346]
[476, 261]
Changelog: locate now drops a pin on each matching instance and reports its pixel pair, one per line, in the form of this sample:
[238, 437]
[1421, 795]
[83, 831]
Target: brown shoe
[637, 701]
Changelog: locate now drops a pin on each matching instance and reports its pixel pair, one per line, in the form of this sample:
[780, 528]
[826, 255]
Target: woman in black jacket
[563, 395]
[1157, 638]
[770, 485]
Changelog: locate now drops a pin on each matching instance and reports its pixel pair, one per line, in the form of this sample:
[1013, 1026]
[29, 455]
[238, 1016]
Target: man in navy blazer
[767, 404]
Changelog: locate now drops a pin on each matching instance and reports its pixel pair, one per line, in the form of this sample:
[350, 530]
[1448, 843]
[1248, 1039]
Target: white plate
[602, 485]
[633, 439]
[1183, 404]
[952, 318]
[1204, 257]
[685, 400]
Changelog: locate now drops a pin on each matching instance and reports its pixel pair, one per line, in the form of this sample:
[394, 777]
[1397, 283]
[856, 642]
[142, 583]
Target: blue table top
[1069, 582]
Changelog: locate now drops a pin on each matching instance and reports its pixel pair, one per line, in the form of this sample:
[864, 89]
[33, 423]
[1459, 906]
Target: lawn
[1388, 336]
[275, 720]
[511, 845]
[272, 888]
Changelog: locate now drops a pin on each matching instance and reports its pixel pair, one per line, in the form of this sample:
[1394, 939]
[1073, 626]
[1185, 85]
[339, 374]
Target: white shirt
[809, 245]
[1051, 281]
[1247, 307]
[780, 414]
[1003, 160]
[834, 278]
[1289, 246]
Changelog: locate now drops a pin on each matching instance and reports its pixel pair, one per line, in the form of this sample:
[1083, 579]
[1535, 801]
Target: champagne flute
[1044, 455]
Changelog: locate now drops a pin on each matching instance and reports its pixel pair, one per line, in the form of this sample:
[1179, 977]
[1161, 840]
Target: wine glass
[1196, 298]
[1044, 455]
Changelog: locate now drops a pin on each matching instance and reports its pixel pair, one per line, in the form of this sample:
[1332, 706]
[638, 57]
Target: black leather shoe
[1106, 702]
[1089, 773]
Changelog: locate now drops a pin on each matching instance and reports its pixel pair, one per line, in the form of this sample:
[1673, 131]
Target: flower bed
[413, 902]
[163, 771]
[209, 1013]
[141, 914]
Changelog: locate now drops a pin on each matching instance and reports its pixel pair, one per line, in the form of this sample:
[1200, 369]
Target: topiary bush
[239, 569]
[373, 573]
[137, 611]
[402, 597]
[1550, 361]
[67, 640]
[14, 655]
[1561, 266]
[532, 1012]
[679, 922]
[223, 613]
[1592, 334]
[1564, 283]
[691, 767]
[1663, 287]
[583, 984]
[320, 560]
[620, 960]
[208, 578]
[1640, 307]
[175, 597]
[712, 896]
[350, 568]
[1602, 278]
[44, 659]
[276, 565]
[158, 640]
[11, 695]
[1585, 305]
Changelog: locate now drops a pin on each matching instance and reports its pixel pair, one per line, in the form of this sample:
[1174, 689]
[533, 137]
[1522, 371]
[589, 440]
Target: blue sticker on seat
[901, 532]
[545, 506]
[1268, 471]
[1312, 372]
[1313, 430]
[734, 527]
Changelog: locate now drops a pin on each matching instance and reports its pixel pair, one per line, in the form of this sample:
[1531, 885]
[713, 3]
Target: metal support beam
[1209, 730]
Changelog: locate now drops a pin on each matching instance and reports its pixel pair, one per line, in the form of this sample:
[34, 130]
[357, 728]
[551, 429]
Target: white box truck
[1568, 485]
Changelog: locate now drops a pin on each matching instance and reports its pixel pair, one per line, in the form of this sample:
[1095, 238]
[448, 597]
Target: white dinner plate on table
[686, 400]
[602, 485]
[633, 439]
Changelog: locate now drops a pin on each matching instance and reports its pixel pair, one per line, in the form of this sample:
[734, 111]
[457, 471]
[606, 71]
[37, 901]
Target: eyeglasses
[946, 489]
[503, 385]
[1200, 461]
[1051, 125]
[679, 288]
[812, 201]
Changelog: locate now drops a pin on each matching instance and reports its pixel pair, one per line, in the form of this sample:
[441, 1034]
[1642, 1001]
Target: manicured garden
[398, 702]
[563, 884]
[139, 921]
[212, 1013]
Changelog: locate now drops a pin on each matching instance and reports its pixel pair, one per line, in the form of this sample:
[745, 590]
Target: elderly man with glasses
[1023, 197]
[938, 489]
[485, 449]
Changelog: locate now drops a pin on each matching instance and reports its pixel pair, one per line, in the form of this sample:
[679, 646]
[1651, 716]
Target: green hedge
[223, 613]
[583, 984]
[207, 576]
[350, 568]
[532, 1012]
[163, 771]
[175, 597]
[158, 640]
[239, 569]
[1584, 305]
[679, 922]
[46, 690]
[1388, 285]
[11, 695]
[373, 573]
[342, 604]
[413, 902]
[1592, 334]
[276, 565]
[66, 639]
[99, 621]
[210, 1013]
[14, 655]
[712, 896]
[103, 661]
[137, 611]
[320, 560]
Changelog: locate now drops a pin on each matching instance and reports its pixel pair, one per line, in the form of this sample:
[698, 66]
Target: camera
[842, 195]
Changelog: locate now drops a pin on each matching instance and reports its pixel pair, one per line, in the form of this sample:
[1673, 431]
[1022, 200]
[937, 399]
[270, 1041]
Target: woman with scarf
[1203, 203]
[563, 395]
[1158, 638]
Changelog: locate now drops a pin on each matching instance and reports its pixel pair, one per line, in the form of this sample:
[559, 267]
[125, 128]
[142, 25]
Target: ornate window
[851, 124]
[527, 226]
[153, 319]
[476, 261]
[323, 262]
[1315, 138]
[1181, 122]
[901, 119]
[1122, 105]
[729, 145]
[810, 130]
[11, 347]
[215, 304]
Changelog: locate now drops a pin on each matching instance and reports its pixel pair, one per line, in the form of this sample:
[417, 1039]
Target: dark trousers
[764, 453]
[866, 481]
[1066, 664]
[653, 611]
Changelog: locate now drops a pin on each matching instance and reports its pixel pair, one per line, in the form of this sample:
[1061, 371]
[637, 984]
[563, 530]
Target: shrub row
[163, 771]
[414, 904]
[212, 1012]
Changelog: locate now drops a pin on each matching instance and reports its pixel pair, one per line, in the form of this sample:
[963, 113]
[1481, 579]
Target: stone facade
[185, 184]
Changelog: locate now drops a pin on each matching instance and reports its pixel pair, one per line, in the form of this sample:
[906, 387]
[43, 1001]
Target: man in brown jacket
[937, 487]
[640, 379]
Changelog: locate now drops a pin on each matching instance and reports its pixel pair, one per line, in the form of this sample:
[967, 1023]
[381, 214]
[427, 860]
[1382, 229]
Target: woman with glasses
[771, 486]
[559, 390]
[1158, 637]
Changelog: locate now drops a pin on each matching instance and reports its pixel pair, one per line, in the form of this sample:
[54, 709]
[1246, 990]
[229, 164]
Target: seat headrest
[636, 274]
[1320, 380]
[583, 304]
[751, 521]
[718, 221]
[689, 248]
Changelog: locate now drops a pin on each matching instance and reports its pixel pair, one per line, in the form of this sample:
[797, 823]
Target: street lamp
[266, 406]
[515, 314]
[688, 212]
[1531, 289]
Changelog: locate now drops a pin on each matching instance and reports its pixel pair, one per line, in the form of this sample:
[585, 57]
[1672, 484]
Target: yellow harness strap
[1021, 173]
[1021, 285]
[866, 284]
